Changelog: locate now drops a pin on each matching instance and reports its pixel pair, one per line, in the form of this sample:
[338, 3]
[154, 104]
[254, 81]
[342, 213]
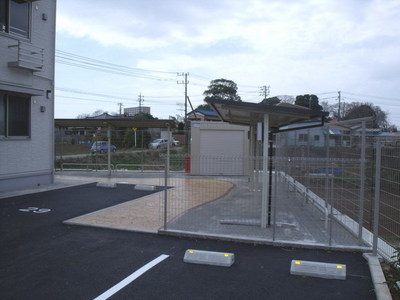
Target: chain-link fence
[354, 174]
[320, 190]
[331, 186]
[129, 149]
[388, 195]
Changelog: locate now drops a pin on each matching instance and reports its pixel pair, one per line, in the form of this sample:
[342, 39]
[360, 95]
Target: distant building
[132, 111]
[27, 47]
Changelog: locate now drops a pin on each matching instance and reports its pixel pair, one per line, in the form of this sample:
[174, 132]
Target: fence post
[62, 148]
[165, 194]
[167, 162]
[328, 187]
[274, 199]
[362, 184]
[109, 150]
[378, 156]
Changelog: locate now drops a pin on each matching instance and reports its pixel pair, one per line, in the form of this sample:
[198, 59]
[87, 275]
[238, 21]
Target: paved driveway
[41, 258]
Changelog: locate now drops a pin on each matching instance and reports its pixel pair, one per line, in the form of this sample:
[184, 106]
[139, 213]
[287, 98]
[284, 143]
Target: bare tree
[287, 99]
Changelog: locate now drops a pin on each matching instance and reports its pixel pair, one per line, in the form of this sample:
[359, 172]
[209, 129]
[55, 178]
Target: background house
[27, 47]
[203, 115]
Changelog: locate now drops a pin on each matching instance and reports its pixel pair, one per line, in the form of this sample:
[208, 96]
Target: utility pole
[120, 108]
[185, 82]
[264, 91]
[140, 100]
[339, 112]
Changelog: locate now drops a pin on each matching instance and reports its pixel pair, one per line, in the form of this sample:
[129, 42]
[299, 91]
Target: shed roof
[247, 113]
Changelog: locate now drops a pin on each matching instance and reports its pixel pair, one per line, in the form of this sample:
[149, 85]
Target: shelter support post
[265, 181]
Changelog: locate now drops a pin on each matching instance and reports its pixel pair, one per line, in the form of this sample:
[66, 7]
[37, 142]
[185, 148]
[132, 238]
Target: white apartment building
[27, 51]
[131, 111]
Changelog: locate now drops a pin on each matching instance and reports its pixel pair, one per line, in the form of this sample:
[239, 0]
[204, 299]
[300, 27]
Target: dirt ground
[390, 274]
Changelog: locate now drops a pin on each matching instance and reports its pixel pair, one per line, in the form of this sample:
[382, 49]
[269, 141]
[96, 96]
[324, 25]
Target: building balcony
[27, 57]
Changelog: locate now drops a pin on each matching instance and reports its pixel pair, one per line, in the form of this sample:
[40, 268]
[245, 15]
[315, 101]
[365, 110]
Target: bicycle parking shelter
[265, 120]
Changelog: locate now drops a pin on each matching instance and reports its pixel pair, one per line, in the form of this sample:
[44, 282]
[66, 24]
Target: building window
[14, 116]
[316, 138]
[303, 137]
[14, 17]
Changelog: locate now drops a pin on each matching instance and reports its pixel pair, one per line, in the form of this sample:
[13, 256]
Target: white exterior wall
[29, 161]
[293, 137]
[219, 148]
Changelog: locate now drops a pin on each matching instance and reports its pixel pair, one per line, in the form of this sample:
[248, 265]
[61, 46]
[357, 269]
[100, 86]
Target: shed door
[221, 152]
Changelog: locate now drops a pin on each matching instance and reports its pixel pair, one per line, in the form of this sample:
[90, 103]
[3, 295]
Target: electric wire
[61, 54]
[372, 96]
[108, 101]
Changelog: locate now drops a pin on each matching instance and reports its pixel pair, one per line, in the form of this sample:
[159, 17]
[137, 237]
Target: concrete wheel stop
[107, 185]
[142, 187]
[222, 259]
[318, 269]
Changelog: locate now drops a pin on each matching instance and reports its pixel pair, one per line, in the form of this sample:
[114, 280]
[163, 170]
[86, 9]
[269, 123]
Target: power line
[85, 99]
[200, 77]
[62, 89]
[65, 55]
[372, 96]
[110, 71]
[161, 103]
[74, 60]
[93, 94]
[324, 93]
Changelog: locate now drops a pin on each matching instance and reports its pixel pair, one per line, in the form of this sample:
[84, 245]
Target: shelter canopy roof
[247, 113]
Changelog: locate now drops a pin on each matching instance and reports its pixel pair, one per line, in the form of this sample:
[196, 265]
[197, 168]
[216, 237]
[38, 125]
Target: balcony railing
[29, 57]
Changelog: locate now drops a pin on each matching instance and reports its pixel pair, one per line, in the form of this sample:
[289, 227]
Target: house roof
[246, 113]
[105, 116]
[115, 122]
[206, 112]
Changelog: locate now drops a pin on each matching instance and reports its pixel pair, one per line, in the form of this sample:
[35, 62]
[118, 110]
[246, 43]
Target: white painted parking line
[107, 294]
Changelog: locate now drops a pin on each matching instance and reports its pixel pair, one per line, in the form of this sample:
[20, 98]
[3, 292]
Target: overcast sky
[295, 47]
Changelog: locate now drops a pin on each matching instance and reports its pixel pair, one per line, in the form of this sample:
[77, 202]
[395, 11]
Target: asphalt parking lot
[42, 258]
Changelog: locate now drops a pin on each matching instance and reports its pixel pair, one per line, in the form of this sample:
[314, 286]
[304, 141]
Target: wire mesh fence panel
[389, 209]
[328, 171]
[90, 149]
[231, 203]
[221, 201]
[319, 190]
[338, 176]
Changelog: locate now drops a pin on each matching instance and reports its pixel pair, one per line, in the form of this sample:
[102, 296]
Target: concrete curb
[123, 228]
[382, 291]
